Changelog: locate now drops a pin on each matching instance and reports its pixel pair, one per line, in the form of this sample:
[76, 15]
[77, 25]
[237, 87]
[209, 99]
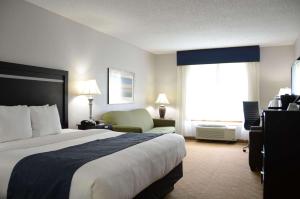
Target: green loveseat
[138, 121]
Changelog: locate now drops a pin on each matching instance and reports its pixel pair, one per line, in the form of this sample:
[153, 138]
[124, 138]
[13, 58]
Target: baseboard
[242, 141]
[191, 138]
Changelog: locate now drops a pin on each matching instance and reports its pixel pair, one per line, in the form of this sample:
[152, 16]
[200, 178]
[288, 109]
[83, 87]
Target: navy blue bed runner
[49, 174]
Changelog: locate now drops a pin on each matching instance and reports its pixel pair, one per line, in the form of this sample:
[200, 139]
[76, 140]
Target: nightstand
[98, 126]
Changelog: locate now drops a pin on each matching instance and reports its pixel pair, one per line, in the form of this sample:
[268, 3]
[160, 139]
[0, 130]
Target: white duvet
[120, 175]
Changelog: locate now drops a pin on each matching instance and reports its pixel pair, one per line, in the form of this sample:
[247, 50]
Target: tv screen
[296, 77]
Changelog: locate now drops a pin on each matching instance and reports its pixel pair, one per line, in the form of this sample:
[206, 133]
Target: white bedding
[120, 175]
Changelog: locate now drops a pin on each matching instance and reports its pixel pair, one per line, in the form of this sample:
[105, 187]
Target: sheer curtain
[214, 93]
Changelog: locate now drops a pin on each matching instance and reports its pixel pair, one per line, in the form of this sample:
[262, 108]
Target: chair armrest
[256, 128]
[162, 122]
[122, 128]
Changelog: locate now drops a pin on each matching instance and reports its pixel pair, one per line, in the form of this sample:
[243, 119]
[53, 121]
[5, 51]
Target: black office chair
[251, 115]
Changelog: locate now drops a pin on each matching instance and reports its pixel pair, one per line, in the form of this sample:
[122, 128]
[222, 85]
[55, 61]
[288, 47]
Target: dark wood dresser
[281, 169]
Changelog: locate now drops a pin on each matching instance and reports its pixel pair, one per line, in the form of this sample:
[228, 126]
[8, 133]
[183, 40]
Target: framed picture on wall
[120, 86]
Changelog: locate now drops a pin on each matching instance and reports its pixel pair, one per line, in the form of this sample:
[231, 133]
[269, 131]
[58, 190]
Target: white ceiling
[162, 26]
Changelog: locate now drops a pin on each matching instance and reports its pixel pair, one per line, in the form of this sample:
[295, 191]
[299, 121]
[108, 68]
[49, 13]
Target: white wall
[275, 69]
[166, 81]
[297, 48]
[31, 35]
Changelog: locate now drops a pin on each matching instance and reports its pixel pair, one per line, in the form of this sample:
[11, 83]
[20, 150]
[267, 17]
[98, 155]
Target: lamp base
[91, 108]
[162, 111]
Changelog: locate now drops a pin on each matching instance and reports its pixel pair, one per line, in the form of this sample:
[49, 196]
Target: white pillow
[14, 123]
[44, 120]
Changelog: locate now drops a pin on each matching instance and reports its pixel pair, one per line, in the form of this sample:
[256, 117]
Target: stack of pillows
[21, 122]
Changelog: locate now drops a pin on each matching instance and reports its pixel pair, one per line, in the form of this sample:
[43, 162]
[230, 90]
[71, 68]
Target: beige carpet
[217, 171]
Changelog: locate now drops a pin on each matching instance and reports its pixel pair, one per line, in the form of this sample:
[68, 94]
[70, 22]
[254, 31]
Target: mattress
[123, 174]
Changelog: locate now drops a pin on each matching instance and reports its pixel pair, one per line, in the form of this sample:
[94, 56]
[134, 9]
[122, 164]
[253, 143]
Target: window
[215, 92]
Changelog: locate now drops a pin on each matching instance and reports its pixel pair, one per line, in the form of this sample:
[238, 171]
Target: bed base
[163, 186]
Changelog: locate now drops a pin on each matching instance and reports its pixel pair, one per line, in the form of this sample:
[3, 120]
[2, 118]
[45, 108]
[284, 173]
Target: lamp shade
[284, 91]
[162, 99]
[90, 87]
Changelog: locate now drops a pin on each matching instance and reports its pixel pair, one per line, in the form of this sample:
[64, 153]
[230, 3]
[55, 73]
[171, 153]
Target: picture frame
[120, 86]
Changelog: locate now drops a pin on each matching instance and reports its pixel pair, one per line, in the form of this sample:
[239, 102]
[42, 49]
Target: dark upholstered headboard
[34, 86]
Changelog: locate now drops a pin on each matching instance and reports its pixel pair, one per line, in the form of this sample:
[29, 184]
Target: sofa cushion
[137, 118]
[167, 129]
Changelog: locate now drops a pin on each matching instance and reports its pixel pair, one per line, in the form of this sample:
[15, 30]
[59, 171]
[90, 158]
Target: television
[296, 77]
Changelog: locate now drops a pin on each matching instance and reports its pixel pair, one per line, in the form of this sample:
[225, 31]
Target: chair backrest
[251, 114]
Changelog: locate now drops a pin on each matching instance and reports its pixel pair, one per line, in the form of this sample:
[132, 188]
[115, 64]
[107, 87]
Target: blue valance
[219, 55]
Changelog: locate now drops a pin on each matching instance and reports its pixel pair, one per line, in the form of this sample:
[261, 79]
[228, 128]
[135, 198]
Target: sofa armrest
[122, 128]
[163, 122]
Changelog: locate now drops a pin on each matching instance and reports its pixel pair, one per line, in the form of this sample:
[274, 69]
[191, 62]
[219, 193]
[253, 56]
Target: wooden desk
[281, 154]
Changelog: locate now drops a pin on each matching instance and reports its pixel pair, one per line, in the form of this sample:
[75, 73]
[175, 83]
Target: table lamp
[276, 102]
[90, 89]
[162, 100]
[283, 91]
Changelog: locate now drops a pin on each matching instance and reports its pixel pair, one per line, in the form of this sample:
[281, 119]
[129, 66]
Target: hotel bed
[125, 166]
[123, 174]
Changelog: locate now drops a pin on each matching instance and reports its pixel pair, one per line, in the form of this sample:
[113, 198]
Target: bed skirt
[163, 186]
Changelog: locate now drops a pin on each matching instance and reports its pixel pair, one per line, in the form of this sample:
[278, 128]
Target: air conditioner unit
[216, 132]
